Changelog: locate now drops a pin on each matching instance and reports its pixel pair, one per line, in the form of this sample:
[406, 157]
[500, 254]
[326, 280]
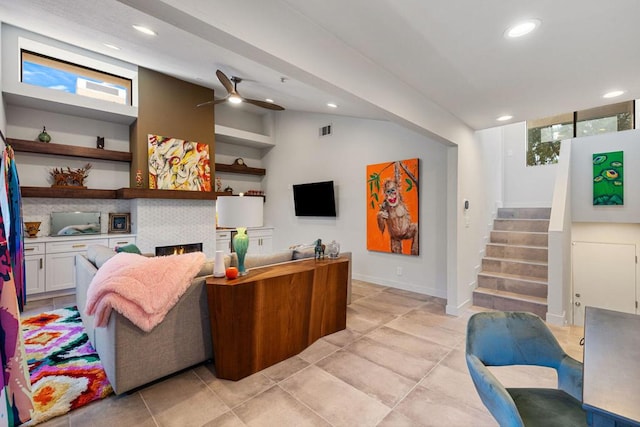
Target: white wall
[524, 186]
[582, 177]
[27, 123]
[302, 156]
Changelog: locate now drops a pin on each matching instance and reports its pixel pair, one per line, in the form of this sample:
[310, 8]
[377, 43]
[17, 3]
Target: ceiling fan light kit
[235, 98]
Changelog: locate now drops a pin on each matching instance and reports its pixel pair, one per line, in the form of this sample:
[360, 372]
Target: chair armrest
[570, 377]
[493, 394]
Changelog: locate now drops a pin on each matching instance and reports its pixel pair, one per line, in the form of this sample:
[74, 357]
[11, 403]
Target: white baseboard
[455, 311]
[555, 319]
[401, 285]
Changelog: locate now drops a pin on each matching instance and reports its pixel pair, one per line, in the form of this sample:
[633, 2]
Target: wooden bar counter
[275, 312]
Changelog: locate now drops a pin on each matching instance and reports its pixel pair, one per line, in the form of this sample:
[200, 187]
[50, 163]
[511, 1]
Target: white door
[604, 276]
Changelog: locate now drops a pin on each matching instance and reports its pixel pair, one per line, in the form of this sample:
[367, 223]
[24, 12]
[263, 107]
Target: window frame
[609, 110]
[79, 70]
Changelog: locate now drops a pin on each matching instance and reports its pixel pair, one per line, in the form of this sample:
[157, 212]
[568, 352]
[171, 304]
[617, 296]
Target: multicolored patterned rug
[65, 370]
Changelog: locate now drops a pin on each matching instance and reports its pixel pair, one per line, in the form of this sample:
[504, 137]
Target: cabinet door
[34, 274]
[266, 244]
[61, 272]
[260, 241]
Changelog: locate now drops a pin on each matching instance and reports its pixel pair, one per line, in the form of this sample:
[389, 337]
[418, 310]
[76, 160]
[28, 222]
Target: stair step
[517, 224]
[532, 213]
[522, 252]
[537, 269]
[509, 301]
[520, 238]
[524, 285]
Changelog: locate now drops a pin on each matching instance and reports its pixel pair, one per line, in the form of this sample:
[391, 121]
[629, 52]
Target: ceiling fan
[234, 97]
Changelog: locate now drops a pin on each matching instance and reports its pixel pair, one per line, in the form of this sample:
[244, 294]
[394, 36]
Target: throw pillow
[99, 254]
[130, 248]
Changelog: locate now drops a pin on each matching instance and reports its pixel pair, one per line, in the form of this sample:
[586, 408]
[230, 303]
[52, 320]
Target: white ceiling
[420, 62]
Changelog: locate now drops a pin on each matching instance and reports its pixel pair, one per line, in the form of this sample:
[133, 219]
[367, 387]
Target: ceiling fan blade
[225, 81]
[214, 102]
[264, 104]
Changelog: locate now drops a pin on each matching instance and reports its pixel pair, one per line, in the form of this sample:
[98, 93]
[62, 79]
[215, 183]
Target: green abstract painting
[608, 179]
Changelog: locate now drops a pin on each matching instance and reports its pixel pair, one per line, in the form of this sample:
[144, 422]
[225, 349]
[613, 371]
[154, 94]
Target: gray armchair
[516, 338]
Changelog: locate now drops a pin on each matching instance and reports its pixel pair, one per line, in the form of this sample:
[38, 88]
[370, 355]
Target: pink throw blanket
[141, 289]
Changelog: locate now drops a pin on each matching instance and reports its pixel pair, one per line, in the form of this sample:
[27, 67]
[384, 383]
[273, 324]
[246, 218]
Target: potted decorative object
[334, 249]
[44, 136]
[32, 228]
[70, 177]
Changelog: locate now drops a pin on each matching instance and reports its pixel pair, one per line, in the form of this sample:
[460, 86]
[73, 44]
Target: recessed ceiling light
[111, 46]
[269, 100]
[522, 28]
[332, 105]
[613, 94]
[504, 118]
[145, 30]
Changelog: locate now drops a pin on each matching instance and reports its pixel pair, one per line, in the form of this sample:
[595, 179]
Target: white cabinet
[60, 262]
[260, 240]
[50, 263]
[223, 241]
[34, 267]
[115, 242]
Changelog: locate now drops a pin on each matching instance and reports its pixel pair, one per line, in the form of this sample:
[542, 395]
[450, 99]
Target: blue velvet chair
[518, 338]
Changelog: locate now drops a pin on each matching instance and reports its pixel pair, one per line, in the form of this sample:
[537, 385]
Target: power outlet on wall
[399, 271]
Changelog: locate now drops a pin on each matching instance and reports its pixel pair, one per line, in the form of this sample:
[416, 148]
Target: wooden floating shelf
[122, 193]
[25, 146]
[67, 193]
[240, 169]
[144, 193]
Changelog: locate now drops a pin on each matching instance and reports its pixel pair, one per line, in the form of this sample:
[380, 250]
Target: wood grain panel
[274, 313]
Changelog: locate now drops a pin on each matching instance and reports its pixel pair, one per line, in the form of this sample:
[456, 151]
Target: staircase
[514, 269]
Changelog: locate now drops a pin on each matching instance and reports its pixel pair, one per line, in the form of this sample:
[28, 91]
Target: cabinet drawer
[222, 235]
[73, 245]
[121, 241]
[33, 248]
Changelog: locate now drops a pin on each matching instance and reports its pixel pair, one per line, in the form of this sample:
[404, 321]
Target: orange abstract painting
[175, 164]
[392, 207]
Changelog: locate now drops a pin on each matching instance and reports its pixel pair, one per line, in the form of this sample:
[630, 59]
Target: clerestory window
[544, 135]
[52, 73]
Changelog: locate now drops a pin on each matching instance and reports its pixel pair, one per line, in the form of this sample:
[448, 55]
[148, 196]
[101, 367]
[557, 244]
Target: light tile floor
[400, 362]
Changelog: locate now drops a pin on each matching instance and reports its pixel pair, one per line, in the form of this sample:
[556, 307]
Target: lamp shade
[239, 211]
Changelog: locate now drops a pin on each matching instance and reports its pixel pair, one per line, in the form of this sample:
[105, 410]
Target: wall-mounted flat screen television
[314, 199]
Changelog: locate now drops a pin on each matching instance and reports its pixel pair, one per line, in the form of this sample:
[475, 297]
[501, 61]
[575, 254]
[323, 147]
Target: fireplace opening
[178, 249]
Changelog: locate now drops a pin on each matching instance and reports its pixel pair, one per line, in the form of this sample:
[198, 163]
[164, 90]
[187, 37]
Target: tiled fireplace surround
[156, 222]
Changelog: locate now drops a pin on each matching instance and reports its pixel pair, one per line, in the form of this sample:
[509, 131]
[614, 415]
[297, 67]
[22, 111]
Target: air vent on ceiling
[326, 130]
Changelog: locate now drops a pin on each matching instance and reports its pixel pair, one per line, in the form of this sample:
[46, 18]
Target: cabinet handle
[79, 246]
[41, 263]
[29, 249]
[122, 243]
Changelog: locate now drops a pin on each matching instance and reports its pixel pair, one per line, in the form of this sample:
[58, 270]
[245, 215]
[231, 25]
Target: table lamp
[240, 212]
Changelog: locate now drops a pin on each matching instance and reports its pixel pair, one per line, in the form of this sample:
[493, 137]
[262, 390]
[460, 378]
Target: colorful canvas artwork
[608, 178]
[175, 164]
[392, 207]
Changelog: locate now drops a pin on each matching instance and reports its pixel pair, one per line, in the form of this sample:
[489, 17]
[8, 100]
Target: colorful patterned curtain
[15, 385]
[16, 233]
